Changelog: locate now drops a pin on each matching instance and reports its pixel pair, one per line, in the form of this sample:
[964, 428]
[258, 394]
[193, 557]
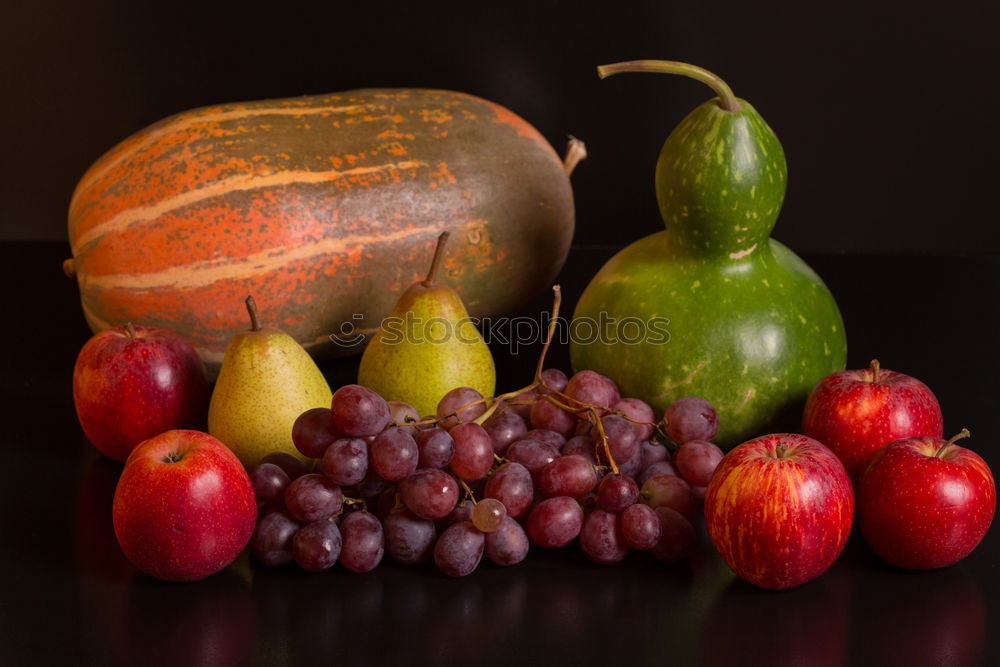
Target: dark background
[886, 110]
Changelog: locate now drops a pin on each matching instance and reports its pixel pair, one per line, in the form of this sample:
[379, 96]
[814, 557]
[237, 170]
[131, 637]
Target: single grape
[601, 538]
[371, 486]
[313, 431]
[436, 448]
[592, 388]
[459, 549]
[631, 467]
[637, 411]
[473, 455]
[293, 466]
[668, 491]
[658, 468]
[551, 417]
[616, 492]
[461, 512]
[580, 445]
[394, 454]
[621, 438]
[488, 514]
[554, 379]
[408, 538]
[557, 440]
[653, 453]
[429, 493]
[571, 476]
[691, 418]
[403, 415]
[316, 546]
[345, 461]
[313, 497]
[363, 542]
[504, 428]
[269, 483]
[677, 537]
[461, 404]
[555, 522]
[511, 484]
[509, 544]
[696, 461]
[271, 542]
[640, 526]
[533, 455]
[359, 411]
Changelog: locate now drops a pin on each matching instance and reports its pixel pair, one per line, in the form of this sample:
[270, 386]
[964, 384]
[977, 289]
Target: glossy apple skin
[184, 506]
[920, 511]
[128, 389]
[855, 413]
[779, 509]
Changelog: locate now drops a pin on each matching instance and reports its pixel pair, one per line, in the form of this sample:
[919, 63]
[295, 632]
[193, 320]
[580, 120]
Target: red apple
[131, 383]
[779, 509]
[184, 507]
[854, 413]
[925, 502]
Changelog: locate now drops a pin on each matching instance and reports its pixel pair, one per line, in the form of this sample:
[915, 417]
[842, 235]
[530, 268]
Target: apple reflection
[805, 625]
[919, 618]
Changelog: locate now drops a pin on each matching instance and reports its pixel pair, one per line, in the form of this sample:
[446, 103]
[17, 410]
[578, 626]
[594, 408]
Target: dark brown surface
[69, 596]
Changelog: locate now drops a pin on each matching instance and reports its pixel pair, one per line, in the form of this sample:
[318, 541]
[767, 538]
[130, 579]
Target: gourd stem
[436, 262]
[576, 151]
[252, 310]
[727, 100]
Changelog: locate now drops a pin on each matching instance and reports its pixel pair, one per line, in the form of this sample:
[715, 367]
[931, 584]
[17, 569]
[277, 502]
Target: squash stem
[727, 100]
[436, 262]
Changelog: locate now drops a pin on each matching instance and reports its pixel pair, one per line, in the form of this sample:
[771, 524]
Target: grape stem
[356, 501]
[595, 419]
[727, 100]
[468, 491]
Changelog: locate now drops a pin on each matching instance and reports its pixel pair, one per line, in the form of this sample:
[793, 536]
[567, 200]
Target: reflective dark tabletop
[70, 597]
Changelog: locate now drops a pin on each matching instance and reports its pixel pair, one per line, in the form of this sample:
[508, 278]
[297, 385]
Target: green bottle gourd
[749, 326]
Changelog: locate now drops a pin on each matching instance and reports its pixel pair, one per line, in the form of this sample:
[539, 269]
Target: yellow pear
[427, 346]
[266, 381]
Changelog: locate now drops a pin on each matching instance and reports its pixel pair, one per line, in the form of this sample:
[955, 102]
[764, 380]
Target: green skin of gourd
[751, 327]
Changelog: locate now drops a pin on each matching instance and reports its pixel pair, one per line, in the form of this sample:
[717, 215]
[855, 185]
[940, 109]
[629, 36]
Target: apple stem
[130, 330]
[964, 433]
[436, 262]
[727, 100]
[252, 310]
[779, 450]
[172, 457]
[876, 367]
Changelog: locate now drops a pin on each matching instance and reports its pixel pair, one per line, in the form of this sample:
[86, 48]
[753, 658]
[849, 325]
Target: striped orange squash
[322, 207]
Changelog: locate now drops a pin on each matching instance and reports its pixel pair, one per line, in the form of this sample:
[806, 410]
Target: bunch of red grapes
[567, 459]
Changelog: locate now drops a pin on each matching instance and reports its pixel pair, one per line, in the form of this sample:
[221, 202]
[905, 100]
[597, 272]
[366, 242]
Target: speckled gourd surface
[751, 327]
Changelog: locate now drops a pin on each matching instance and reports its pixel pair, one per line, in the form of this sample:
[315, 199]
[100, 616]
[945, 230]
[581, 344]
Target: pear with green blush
[730, 314]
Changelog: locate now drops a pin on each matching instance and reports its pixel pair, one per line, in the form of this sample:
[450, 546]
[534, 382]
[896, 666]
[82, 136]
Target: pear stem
[964, 433]
[876, 367]
[727, 100]
[576, 151]
[436, 262]
[130, 330]
[252, 310]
